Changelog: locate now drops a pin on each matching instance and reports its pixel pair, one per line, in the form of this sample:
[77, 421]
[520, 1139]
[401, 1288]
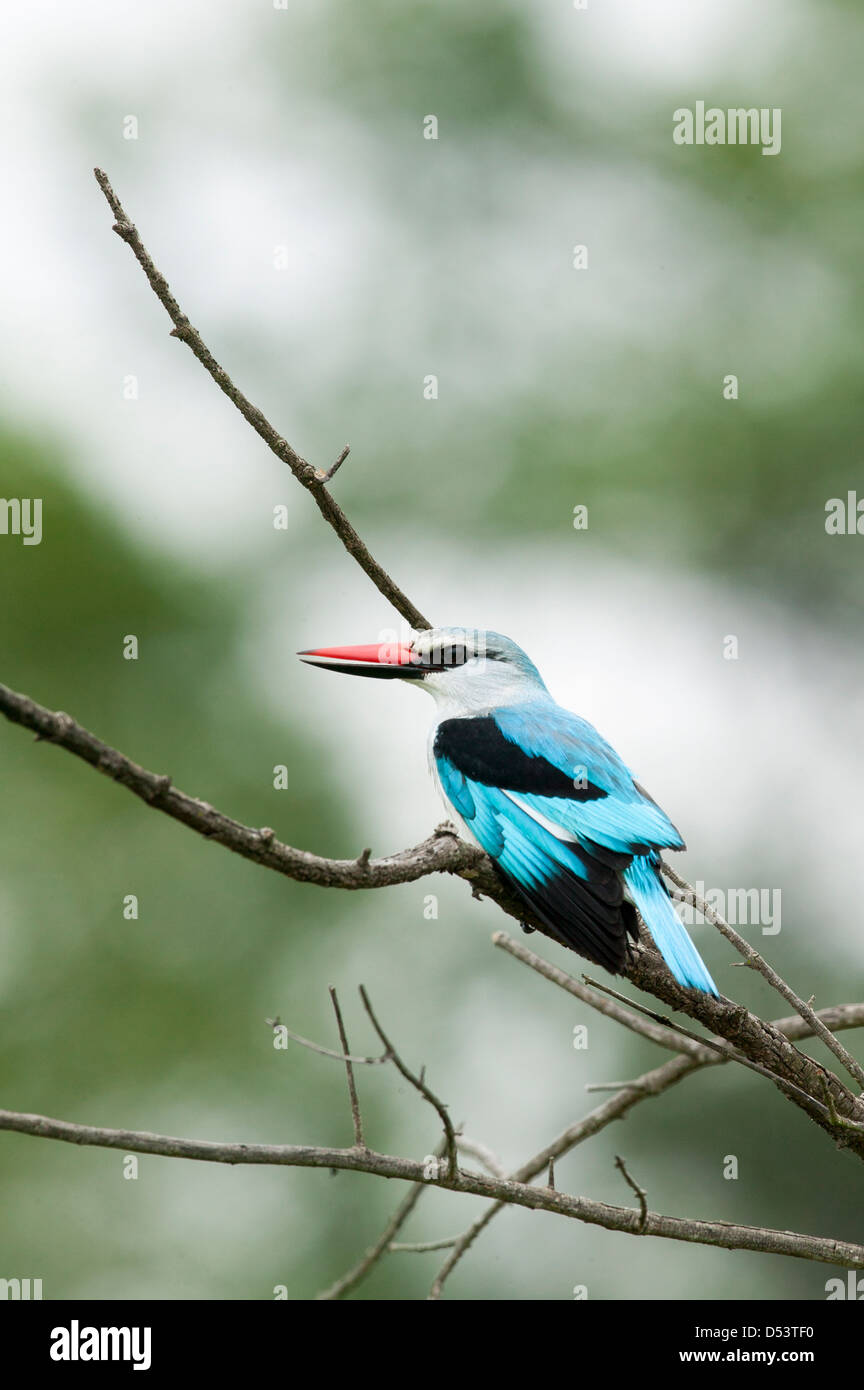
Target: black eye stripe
[441, 658]
[448, 654]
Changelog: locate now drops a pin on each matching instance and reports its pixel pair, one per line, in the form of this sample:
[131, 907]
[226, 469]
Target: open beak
[382, 659]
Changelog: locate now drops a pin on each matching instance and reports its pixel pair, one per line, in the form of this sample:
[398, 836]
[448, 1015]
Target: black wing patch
[586, 912]
[479, 750]
[569, 912]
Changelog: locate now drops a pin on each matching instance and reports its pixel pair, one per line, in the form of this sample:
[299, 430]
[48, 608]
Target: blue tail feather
[666, 927]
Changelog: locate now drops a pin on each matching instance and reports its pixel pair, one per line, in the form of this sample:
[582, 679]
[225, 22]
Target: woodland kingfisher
[546, 797]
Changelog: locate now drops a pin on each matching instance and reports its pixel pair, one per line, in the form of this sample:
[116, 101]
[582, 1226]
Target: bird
[569, 829]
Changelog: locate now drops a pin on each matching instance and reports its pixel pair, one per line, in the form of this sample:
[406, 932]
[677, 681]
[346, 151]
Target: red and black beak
[382, 659]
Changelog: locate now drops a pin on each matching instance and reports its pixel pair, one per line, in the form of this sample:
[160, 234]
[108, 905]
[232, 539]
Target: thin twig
[356, 1117]
[611, 1086]
[490, 1161]
[839, 1120]
[663, 1036]
[303, 471]
[324, 475]
[752, 1036]
[652, 1083]
[687, 894]
[640, 1192]
[382, 1245]
[726, 1235]
[419, 1084]
[326, 1051]
[422, 1247]
[463, 1245]
[514, 1190]
[723, 1049]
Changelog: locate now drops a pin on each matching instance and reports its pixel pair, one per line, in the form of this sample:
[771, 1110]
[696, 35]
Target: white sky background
[765, 750]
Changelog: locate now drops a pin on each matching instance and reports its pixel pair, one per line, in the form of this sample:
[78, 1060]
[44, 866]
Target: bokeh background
[333, 259]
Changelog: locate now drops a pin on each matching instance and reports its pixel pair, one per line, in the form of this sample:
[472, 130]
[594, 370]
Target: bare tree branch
[651, 1083]
[422, 1247]
[636, 1023]
[686, 894]
[326, 474]
[326, 1051]
[356, 1118]
[419, 1084]
[382, 1245]
[641, 1194]
[310, 478]
[789, 1087]
[491, 1162]
[726, 1235]
[441, 850]
[756, 1039]
[464, 1244]
[756, 1043]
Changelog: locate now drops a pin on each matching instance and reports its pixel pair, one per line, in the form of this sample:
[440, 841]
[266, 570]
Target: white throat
[479, 689]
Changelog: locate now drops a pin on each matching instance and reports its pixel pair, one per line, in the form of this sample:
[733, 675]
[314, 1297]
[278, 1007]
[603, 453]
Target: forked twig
[419, 1084]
